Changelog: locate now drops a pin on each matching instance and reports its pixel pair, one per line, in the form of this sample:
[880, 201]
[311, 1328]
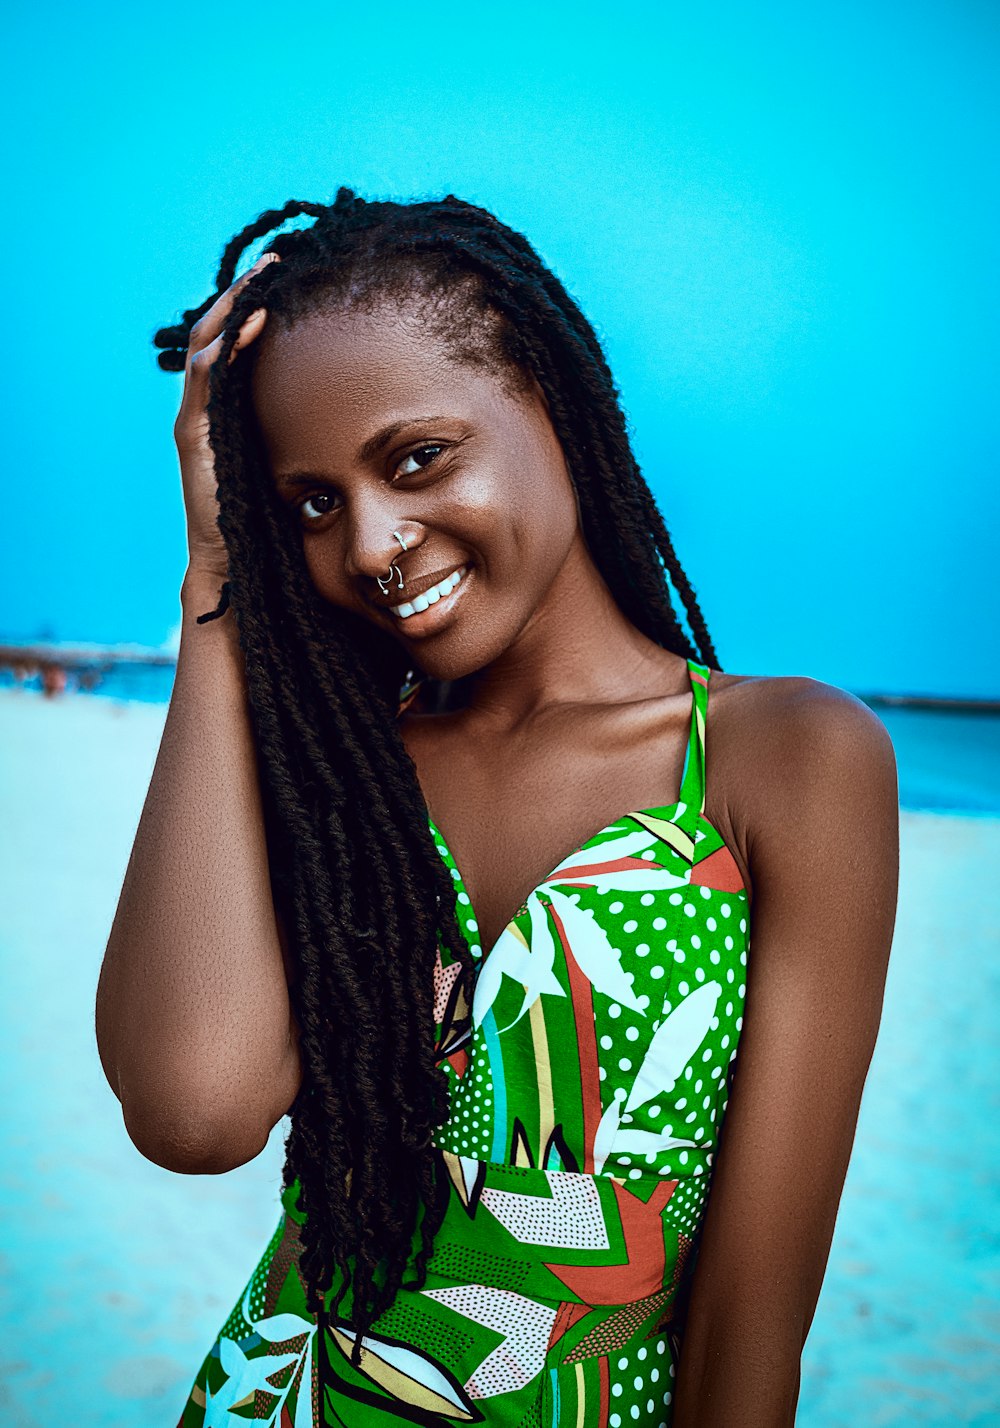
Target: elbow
[195, 1117]
[188, 1142]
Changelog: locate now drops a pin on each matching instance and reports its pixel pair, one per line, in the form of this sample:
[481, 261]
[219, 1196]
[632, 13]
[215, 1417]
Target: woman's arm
[824, 853]
[194, 1027]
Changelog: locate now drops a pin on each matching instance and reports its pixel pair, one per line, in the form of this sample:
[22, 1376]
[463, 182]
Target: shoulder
[791, 757]
[804, 728]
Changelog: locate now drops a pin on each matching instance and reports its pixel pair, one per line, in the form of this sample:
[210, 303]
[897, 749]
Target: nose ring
[384, 582]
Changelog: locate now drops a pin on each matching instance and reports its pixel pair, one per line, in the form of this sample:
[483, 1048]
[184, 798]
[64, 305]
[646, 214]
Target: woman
[366, 889]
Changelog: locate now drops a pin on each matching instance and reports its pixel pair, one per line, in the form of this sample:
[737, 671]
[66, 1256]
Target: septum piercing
[393, 567]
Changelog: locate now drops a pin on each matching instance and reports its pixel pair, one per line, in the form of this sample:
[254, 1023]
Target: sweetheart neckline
[664, 808]
[691, 782]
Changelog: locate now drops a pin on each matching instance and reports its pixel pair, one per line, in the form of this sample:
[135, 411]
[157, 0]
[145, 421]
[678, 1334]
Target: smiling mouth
[428, 610]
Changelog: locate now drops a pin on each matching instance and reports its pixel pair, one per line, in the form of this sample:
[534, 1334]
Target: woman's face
[371, 427]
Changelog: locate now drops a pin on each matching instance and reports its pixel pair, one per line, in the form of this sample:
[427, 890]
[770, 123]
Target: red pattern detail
[645, 1262]
[718, 871]
[614, 1332]
[567, 1315]
[661, 1195]
[459, 1062]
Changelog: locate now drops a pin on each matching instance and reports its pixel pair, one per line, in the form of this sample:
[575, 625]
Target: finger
[196, 379]
[211, 323]
[200, 363]
[250, 329]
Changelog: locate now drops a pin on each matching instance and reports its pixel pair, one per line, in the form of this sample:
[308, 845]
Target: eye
[321, 504]
[416, 455]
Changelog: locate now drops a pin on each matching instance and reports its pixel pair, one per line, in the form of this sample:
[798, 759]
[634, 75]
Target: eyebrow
[367, 451]
[375, 443]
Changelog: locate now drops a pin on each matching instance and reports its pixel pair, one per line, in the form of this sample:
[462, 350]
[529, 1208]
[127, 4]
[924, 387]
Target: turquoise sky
[782, 220]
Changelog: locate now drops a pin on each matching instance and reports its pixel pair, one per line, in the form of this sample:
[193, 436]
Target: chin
[452, 655]
[446, 666]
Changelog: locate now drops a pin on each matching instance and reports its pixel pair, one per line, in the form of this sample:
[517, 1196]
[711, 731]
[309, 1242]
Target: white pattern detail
[630, 845]
[640, 1142]
[599, 962]
[677, 1040]
[607, 1131]
[244, 1375]
[525, 1324]
[572, 1219]
[531, 963]
[674, 1043]
[527, 963]
[470, 1169]
[411, 1363]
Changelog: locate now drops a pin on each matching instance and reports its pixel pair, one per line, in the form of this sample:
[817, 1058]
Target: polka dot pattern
[669, 967]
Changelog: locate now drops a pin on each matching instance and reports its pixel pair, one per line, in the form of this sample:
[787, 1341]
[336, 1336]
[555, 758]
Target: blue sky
[782, 222]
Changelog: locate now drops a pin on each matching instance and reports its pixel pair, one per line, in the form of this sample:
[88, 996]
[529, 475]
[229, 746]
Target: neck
[577, 648]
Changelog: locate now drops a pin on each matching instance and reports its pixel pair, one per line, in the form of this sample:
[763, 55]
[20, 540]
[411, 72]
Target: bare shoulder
[787, 751]
[794, 715]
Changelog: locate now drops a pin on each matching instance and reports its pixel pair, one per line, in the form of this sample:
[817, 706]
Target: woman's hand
[206, 548]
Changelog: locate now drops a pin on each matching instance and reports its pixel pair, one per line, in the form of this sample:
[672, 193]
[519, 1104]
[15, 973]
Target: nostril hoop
[385, 582]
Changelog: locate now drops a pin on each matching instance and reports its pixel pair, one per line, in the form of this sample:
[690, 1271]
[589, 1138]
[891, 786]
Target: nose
[376, 547]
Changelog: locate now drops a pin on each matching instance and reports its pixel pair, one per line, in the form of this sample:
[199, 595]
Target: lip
[413, 587]
[429, 621]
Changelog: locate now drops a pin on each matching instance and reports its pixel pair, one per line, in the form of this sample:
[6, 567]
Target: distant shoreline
[90, 668]
[947, 751]
[115, 671]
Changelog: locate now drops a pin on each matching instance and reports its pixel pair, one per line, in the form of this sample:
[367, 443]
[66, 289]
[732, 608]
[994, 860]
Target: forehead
[332, 376]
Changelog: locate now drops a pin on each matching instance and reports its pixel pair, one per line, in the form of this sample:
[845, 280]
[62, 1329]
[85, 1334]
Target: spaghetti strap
[692, 794]
[407, 694]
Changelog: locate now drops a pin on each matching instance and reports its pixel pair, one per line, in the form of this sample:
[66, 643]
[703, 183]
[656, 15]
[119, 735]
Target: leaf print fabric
[588, 1086]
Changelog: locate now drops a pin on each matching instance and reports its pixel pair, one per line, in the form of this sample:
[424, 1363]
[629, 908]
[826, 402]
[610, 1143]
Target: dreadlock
[357, 879]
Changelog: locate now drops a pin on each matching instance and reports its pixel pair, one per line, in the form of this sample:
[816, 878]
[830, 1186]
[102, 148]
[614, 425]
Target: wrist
[202, 590]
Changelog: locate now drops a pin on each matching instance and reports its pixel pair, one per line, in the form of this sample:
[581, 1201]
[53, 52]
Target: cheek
[524, 502]
[325, 564]
[546, 518]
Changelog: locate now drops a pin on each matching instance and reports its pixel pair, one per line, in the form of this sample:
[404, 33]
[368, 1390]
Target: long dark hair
[358, 883]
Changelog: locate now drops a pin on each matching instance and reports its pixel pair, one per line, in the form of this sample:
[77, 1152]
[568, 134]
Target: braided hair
[357, 880]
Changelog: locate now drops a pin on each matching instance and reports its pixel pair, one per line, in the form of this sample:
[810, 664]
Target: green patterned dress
[588, 1090]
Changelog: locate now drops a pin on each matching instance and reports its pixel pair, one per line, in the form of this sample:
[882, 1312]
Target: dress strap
[408, 693]
[692, 799]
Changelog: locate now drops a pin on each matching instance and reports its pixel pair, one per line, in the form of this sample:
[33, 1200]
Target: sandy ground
[118, 1274]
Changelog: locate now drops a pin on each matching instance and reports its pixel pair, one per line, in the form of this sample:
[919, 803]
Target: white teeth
[431, 596]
